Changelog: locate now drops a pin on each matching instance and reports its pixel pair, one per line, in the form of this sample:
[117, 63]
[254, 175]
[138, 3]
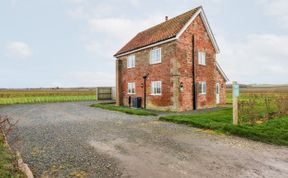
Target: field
[245, 92]
[46, 95]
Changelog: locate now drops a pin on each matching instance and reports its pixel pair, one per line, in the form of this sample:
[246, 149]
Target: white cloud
[78, 13]
[18, 49]
[103, 50]
[256, 59]
[121, 28]
[278, 9]
[88, 79]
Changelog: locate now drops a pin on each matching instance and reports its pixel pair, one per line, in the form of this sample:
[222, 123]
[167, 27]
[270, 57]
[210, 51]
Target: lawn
[45, 96]
[124, 109]
[7, 158]
[273, 131]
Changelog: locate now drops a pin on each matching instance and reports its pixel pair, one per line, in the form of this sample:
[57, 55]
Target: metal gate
[104, 93]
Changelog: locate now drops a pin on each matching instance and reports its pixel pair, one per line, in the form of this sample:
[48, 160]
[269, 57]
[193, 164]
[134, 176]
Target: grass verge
[7, 168]
[273, 132]
[124, 109]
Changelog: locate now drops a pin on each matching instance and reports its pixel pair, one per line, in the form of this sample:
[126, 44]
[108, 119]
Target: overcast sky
[70, 43]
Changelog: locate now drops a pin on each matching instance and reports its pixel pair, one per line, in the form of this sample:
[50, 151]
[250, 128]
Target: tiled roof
[158, 33]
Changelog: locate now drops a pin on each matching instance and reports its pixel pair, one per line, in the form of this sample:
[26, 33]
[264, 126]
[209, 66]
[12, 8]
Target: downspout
[194, 98]
[145, 77]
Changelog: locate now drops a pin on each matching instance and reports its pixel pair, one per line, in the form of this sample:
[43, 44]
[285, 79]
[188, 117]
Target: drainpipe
[145, 77]
[194, 99]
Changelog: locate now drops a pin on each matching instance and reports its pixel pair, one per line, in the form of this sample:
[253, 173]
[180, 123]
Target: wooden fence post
[235, 93]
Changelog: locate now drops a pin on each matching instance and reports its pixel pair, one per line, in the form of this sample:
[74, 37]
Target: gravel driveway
[74, 140]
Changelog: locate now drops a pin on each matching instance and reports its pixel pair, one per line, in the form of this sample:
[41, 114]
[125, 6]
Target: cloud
[18, 49]
[121, 28]
[103, 50]
[256, 59]
[276, 8]
[88, 79]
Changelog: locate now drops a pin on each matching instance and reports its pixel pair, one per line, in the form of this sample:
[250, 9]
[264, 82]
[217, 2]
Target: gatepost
[236, 93]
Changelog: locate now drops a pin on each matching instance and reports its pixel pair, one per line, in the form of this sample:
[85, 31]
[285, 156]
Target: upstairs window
[155, 56]
[202, 58]
[131, 88]
[131, 61]
[202, 88]
[156, 88]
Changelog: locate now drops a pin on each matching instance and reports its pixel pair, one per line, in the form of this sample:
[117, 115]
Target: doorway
[217, 93]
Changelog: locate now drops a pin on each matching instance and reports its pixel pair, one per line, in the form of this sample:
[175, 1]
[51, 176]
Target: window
[155, 56]
[156, 88]
[131, 61]
[131, 88]
[202, 58]
[202, 88]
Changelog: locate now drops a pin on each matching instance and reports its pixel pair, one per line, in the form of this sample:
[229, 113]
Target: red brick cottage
[173, 65]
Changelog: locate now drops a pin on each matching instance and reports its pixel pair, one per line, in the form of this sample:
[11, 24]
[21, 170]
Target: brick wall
[203, 73]
[158, 72]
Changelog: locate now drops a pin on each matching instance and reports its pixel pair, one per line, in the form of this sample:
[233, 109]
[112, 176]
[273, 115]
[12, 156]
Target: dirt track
[70, 139]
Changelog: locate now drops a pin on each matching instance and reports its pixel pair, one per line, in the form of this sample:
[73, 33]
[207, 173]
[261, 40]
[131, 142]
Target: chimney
[166, 18]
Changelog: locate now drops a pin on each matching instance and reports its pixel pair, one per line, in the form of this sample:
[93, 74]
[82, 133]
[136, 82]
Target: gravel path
[74, 140]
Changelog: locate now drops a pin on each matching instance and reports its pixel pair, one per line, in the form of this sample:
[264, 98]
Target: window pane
[155, 56]
[204, 58]
[200, 87]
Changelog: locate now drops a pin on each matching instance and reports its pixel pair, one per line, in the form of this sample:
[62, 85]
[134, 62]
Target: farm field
[31, 96]
[246, 92]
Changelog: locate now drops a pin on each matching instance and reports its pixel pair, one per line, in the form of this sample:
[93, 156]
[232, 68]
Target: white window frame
[156, 88]
[155, 56]
[203, 88]
[131, 61]
[202, 58]
[131, 88]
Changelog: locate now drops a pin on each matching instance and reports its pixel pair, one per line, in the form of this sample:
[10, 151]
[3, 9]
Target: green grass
[7, 168]
[245, 95]
[45, 99]
[123, 109]
[273, 132]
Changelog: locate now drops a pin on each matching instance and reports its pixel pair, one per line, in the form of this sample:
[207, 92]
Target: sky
[71, 43]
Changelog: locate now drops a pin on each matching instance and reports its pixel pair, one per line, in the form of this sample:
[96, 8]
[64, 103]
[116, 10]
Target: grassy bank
[123, 109]
[45, 96]
[273, 132]
[7, 168]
